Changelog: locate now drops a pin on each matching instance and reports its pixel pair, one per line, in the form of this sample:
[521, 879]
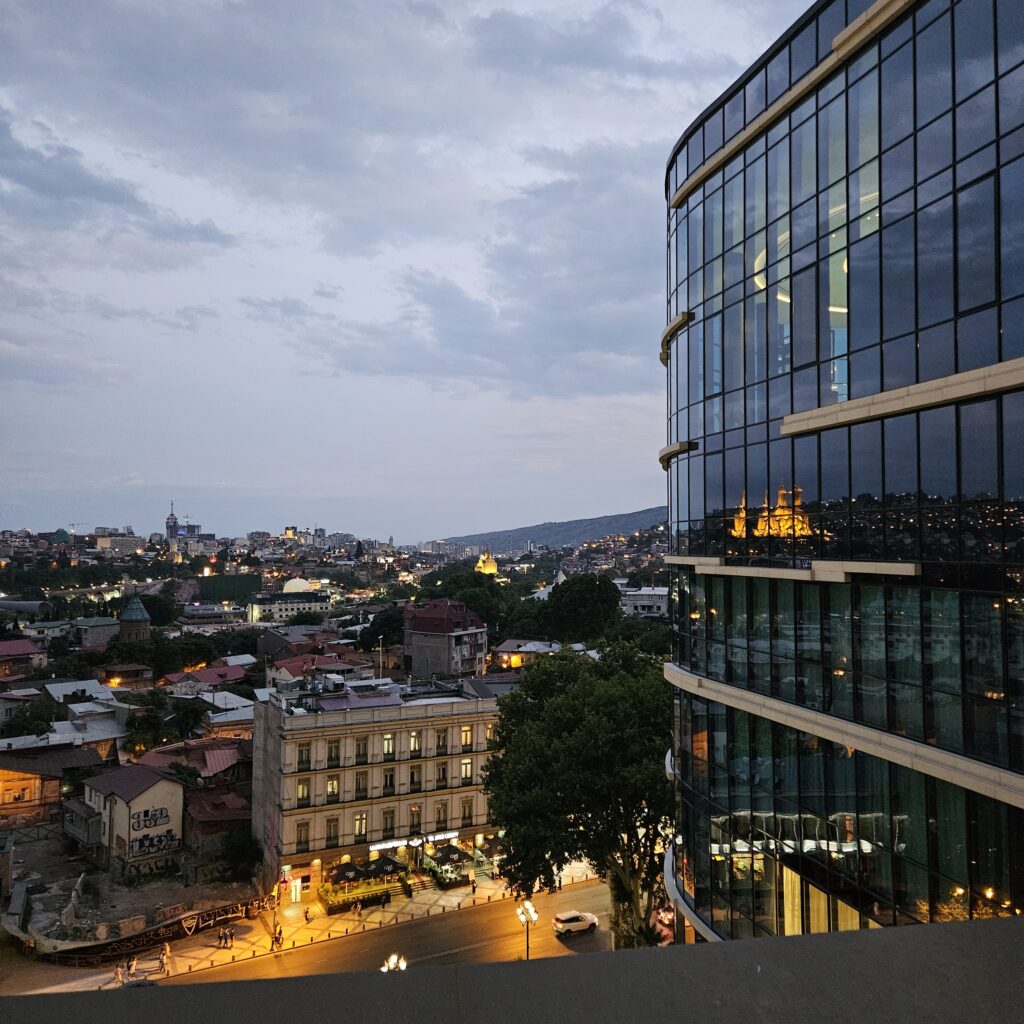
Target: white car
[573, 921]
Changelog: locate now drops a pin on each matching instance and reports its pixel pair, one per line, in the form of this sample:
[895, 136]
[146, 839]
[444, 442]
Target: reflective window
[976, 263]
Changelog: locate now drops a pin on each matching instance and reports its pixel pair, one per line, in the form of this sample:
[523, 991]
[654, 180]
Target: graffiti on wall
[150, 818]
[155, 842]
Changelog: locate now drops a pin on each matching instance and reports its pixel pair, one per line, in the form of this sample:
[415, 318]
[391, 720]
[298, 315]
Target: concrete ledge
[671, 451]
[987, 380]
[692, 560]
[821, 571]
[873, 21]
[684, 318]
[997, 783]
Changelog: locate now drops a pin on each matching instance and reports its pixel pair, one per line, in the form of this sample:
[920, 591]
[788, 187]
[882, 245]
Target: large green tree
[584, 607]
[389, 623]
[580, 775]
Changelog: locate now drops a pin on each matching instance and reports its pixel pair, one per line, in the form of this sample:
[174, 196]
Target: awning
[347, 873]
[383, 866]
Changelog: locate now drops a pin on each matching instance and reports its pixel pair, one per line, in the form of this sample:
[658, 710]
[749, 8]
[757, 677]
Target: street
[483, 934]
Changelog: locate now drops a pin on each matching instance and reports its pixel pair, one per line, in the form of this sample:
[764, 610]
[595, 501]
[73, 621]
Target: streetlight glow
[527, 915]
[395, 962]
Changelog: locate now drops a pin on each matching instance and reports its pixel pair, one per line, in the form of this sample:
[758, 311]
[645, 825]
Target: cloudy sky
[390, 267]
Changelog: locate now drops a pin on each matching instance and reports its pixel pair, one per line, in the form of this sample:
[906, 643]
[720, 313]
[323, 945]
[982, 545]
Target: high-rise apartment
[845, 457]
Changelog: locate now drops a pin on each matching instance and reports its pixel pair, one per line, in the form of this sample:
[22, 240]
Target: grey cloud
[280, 310]
[605, 41]
[50, 186]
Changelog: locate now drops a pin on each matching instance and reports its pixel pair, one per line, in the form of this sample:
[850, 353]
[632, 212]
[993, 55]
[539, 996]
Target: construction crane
[74, 530]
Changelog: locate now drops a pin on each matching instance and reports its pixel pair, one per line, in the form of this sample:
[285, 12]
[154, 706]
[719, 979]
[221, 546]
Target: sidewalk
[252, 936]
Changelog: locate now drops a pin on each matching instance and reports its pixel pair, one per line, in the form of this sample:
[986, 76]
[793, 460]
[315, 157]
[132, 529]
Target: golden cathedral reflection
[784, 520]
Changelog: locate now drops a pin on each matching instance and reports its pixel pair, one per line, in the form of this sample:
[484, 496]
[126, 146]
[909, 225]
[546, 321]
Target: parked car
[573, 921]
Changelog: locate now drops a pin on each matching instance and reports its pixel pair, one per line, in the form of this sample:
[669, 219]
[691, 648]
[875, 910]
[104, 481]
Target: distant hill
[555, 535]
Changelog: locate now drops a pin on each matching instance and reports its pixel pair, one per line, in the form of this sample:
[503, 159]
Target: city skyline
[406, 253]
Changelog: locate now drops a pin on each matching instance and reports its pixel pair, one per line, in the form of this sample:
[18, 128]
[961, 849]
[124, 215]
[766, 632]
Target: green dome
[135, 611]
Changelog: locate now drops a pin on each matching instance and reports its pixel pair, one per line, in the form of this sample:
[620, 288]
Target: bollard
[311, 938]
[254, 952]
[328, 935]
[364, 927]
[189, 968]
[293, 943]
[488, 897]
[346, 931]
[232, 957]
[211, 963]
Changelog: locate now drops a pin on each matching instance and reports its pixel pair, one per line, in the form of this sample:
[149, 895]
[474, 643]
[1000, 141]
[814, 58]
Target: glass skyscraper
[845, 458]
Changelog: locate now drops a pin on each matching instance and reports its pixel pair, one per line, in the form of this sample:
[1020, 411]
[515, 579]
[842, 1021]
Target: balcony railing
[467, 748]
[441, 751]
[302, 846]
[389, 757]
[415, 787]
[360, 794]
[467, 821]
[441, 784]
[333, 798]
[387, 833]
[442, 824]
[467, 782]
[388, 791]
[303, 801]
[362, 759]
[303, 766]
[334, 762]
[415, 753]
[359, 837]
[332, 841]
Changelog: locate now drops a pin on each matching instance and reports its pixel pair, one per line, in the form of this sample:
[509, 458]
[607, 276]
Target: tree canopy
[580, 775]
[389, 623]
[584, 607]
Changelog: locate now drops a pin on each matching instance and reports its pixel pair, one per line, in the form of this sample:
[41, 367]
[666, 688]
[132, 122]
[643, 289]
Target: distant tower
[172, 523]
[134, 621]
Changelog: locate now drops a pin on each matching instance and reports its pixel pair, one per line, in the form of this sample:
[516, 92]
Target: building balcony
[441, 825]
[360, 794]
[302, 847]
[302, 802]
[415, 754]
[333, 762]
[415, 787]
[441, 784]
[359, 837]
[388, 791]
[362, 759]
[467, 748]
[331, 843]
[441, 752]
[467, 822]
[304, 766]
[389, 757]
[333, 798]
[387, 833]
[467, 782]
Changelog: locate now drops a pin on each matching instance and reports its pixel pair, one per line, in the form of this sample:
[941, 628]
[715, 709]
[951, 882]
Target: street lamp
[380, 662]
[527, 915]
[393, 963]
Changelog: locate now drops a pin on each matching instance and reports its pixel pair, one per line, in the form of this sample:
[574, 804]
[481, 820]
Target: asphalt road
[484, 934]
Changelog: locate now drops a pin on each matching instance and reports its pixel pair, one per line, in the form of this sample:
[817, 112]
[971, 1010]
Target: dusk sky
[385, 267]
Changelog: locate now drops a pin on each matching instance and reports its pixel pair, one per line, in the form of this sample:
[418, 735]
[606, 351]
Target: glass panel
[1011, 183]
[976, 122]
[803, 165]
[898, 279]
[865, 290]
[897, 84]
[935, 262]
[901, 460]
[832, 142]
[862, 98]
[975, 45]
[938, 456]
[934, 71]
[976, 258]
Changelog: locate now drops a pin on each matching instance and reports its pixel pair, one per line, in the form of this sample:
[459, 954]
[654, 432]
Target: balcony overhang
[675, 894]
[681, 321]
[672, 451]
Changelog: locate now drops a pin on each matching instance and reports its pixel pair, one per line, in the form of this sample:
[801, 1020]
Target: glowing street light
[527, 915]
[394, 963]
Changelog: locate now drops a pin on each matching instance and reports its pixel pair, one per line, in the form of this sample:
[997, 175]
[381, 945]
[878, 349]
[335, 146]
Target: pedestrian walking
[359, 909]
[220, 938]
[132, 965]
[167, 950]
[306, 915]
[472, 886]
[559, 881]
[231, 938]
[119, 976]
[163, 962]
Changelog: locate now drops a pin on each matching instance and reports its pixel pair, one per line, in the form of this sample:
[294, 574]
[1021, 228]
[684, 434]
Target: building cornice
[997, 783]
[957, 387]
[871, 23]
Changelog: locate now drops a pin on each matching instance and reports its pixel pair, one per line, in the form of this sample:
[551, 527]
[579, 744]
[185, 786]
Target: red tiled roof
[127, 782]
[18, 648]
[441, 616]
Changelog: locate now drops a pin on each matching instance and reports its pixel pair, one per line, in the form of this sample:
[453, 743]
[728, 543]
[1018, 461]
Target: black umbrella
[347, 873]
[383, 866]
[450, 855]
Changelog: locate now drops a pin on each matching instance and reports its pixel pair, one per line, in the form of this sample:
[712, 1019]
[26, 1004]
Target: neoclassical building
[845, 375]
[371, 767]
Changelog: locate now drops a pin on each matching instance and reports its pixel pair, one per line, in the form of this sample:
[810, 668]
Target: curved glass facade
[867, 238]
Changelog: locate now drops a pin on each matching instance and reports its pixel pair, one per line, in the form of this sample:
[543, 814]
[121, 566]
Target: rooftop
[126, 782]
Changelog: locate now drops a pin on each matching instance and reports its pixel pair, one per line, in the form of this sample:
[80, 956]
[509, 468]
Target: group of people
[124, 973]
[226, 938]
